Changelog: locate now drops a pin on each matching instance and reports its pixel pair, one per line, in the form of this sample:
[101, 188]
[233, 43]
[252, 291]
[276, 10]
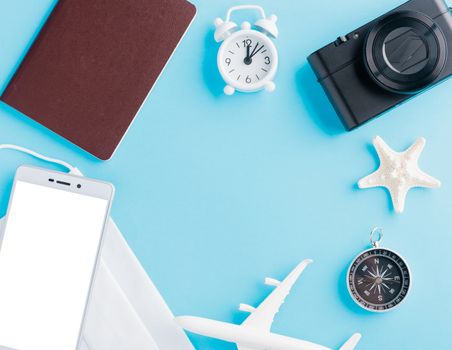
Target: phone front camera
[79, 186]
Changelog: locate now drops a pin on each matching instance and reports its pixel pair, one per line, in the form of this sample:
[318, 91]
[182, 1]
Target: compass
[378, 278]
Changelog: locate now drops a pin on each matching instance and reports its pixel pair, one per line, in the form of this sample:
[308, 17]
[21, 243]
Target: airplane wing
[352, 342]
[262, 316]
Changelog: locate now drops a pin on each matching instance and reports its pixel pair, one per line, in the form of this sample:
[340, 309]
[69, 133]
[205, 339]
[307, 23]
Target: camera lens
[405, 52]
[79, 186]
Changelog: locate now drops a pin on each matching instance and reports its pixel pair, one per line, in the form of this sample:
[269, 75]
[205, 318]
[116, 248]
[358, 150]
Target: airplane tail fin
[352, 342]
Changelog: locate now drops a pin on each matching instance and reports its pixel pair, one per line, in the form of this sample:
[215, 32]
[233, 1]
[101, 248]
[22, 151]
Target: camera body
[387, 61]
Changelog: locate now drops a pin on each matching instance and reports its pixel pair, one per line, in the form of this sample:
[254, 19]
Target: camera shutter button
[341, 40]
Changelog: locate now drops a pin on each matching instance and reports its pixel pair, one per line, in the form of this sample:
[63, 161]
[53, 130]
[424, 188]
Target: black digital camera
[389, 60]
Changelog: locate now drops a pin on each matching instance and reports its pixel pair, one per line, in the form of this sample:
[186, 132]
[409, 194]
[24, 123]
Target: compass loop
[376, 236]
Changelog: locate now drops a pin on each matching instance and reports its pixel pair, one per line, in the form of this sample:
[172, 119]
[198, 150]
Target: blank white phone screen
[47, 258]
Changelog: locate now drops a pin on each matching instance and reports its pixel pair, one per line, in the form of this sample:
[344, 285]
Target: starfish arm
[385, 153]
[422, 179]
[372, 180]
[416, 149]
[398, 196]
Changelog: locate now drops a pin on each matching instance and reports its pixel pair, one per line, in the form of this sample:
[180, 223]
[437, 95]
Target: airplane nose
[196, 325]
[189, 323]
[181, 321]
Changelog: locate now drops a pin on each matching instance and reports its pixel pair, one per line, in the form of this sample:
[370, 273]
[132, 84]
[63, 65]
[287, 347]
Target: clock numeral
[247, 42]
[228, 61]
[267, 60]
[248, 79]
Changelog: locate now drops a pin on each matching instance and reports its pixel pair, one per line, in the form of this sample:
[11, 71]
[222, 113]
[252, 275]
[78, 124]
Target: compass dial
[378, 279]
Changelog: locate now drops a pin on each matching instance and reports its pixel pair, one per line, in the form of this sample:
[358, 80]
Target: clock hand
[256, 51]
[247, 59]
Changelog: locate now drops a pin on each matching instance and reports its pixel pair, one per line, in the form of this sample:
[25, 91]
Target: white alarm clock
[247, 59]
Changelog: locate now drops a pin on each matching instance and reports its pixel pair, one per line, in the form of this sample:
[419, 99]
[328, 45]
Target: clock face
[247, 60]
[378, 279]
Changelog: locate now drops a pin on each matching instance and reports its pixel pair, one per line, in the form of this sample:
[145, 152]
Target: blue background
[215, 193]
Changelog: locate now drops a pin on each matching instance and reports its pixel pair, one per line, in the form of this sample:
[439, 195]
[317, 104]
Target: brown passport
[93, 64]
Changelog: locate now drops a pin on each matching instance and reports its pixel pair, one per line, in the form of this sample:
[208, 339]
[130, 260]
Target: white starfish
[399, 172]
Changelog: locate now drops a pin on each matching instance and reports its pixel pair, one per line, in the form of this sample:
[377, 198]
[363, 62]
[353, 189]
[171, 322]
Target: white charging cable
[72, 170]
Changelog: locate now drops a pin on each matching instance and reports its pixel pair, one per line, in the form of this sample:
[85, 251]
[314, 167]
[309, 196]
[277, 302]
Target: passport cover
[93, 64]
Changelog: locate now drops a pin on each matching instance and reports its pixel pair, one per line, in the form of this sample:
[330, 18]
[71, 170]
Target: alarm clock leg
[229, 90]
[270, 86]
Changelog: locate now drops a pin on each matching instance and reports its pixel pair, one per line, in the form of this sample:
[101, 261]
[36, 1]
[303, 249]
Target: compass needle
[373, 275]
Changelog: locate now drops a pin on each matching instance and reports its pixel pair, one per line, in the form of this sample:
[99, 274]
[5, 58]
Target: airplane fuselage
[244, 336]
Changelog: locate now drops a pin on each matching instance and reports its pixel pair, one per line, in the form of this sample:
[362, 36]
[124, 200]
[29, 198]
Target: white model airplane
[255, 332]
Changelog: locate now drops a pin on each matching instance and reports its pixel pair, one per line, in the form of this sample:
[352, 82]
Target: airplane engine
[246, 308]
[272, 282]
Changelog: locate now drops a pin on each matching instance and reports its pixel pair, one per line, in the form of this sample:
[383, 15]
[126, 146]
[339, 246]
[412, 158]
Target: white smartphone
[48, 257]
